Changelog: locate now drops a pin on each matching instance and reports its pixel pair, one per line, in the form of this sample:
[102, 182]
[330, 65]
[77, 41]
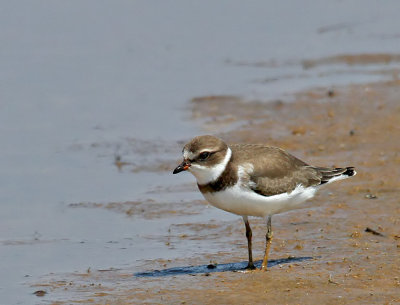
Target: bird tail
[332, 174]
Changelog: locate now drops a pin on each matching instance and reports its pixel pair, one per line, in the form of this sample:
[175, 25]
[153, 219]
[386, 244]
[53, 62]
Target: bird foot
[250, 266]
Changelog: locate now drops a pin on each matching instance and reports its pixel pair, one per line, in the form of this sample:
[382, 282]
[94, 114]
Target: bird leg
[249, 235]
[268, 245]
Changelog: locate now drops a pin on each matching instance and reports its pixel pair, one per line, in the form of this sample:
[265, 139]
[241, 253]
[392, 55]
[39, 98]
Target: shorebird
[254, 180]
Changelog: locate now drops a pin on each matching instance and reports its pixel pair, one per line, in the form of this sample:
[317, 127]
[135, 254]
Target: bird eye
[204, 155]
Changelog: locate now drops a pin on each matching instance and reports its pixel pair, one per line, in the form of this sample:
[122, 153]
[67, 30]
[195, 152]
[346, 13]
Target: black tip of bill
[178, 170]
[181, 167]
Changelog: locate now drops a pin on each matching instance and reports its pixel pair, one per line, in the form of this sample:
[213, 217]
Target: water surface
[82, 82]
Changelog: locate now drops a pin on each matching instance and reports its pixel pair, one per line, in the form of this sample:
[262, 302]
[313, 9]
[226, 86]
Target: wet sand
[94, 121]
[345, 248]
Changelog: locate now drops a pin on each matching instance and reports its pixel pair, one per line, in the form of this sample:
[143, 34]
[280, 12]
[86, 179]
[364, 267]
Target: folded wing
[275, 171]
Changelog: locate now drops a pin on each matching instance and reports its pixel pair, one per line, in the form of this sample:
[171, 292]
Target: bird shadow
[234, 267]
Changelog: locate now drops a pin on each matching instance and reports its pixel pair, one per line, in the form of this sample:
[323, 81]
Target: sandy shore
[341, 262]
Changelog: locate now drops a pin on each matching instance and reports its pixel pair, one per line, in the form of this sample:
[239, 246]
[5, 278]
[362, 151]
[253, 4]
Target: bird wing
[275, 171]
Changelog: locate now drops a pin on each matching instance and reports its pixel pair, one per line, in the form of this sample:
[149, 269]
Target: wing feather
[275, 171]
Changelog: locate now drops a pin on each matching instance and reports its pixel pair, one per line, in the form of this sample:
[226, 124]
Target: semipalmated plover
[253, 180]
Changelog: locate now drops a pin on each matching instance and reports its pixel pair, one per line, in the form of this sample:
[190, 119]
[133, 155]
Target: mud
[353, 59]
[148, 209]
[344, 249]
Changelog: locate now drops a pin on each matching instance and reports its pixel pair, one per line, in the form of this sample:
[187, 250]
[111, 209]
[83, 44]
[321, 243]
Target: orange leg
[268, 245]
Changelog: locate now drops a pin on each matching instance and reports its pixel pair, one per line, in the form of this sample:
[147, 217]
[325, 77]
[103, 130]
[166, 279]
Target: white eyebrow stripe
[191, 156]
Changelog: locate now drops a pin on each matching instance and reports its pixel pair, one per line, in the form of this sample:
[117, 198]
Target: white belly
[245, 202]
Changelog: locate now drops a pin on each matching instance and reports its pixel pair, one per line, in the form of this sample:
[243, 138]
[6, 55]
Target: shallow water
[82, 82]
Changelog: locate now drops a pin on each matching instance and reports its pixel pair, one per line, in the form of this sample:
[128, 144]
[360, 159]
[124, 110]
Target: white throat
[205, 175]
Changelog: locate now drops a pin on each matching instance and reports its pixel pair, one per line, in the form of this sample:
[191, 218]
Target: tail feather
[332, 174]
[350, 171]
